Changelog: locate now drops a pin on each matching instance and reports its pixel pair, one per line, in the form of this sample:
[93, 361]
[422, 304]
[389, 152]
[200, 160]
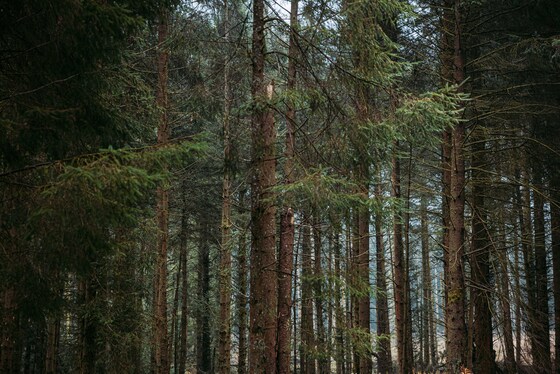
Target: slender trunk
[384, 359]
[338, 306]
[53, 343]
[184, 255]
[481, 290]
[362, 258]
[517, 291]
[427, 310]
[8, 360]
[555, 225]
[307, 360]
[542, 353]
[318, 291]
[203, 344]
[224, 328]
[526, 225]
[174, 338]
[263, 281]
[88, 326]
[287, 227]
[241, 299]
[456, 328]
[505, 304]
[400, 269]
[162, 210]
[285, 268]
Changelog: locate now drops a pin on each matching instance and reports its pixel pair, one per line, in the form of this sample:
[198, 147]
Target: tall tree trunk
[184, 255]
[362, 264]
[400, 269]
[53, 343]
[542, 353]
[481, 289]
[263, 311]
[455, 303]
[87, 291]
[203, 343]
[428, 313]
[285, 268]
[384, 360]
[321, 346]
[224, 329]
[162, 211]
[526, 226]
[287, 227]
[505, 302]
[517, 289]
[241, 299]
[175, 336]
[307, 360]
[555, 226]
[9, 330]
[340, 353]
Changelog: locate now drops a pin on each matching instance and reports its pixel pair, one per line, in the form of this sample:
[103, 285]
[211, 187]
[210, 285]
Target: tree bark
[384, 359]
[183, 324]
[263, 281]
[555, 226]
[203, 342]
[481, 289]
[455, 303]
[399, 269]
[287, 227]
[307, 359]
[161, 348]
[241, 299]
[428, 313]
[340, 353]
[542, 352]
[224, 329]
[321, 346]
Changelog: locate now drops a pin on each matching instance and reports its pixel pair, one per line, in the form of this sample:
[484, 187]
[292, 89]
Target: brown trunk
[526, 225]
[285, 265]
[287, 227]
[175, 337]
[384, 359]
[446, 58]
[53, 342]
[505, 305]
[428, 313]
[400, 269]
[263, 311]
[555, 225]
[517, 290]
[224, 328]
[318, 291]
[456, 328]
[362, 259]
[88, 327]
[541, 355]
[241, 299]
[8, 360]
[203, 333]
[307, 359]
[338, 309]
[162, 212]
[183, 324]
[481, 289]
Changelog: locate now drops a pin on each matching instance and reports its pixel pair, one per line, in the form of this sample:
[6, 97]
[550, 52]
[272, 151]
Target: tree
[262, 336]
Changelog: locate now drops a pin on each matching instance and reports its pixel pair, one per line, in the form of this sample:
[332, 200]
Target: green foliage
[420, 119]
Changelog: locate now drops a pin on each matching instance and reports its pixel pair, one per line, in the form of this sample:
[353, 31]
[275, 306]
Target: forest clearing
[280, 186]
